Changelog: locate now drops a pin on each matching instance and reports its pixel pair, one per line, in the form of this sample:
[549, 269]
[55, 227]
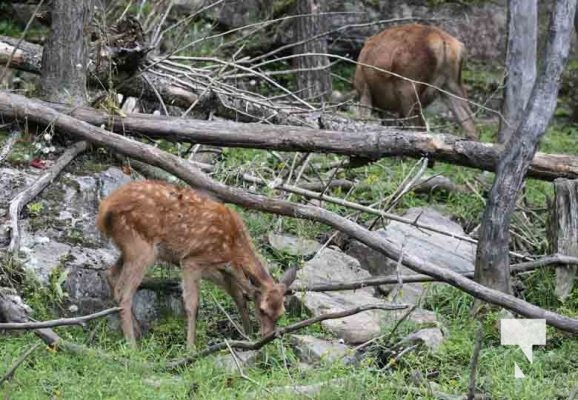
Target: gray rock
[293, 245]
[12, 307]
[432, 338]
[312, 350]
[246, 359]
[441, 250]
[111, 179]
[331, 265]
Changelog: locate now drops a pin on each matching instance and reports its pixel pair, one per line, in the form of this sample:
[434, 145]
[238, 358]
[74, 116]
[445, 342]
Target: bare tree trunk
[492, 262]
[520, 63]
[313, 79]
[564, 232]
[65, 55]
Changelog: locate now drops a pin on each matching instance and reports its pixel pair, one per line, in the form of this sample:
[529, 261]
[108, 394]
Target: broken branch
[10, 373]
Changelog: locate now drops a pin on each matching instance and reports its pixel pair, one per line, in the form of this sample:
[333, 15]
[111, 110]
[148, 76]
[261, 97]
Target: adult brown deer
[153, 220]
[419, 53]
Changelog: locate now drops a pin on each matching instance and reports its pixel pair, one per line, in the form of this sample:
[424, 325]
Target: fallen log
[374, 144]
[21, 107]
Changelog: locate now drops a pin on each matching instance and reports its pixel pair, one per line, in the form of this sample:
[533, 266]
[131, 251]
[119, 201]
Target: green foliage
[8, 28]
[34, 209]
[12, 273]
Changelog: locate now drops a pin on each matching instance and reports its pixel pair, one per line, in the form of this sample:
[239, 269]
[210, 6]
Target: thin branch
[25, 196]
[399, 355]
[240, 369]
[246, 345]
[57, 322]
[10, 373]
[235, 325]
[390, 334]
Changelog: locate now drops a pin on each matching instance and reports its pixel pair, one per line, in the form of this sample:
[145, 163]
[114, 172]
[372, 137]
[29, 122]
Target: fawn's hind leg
[111, 276]
[137, 257]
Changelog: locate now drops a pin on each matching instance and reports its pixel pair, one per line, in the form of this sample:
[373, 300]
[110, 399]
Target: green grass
[59, 375]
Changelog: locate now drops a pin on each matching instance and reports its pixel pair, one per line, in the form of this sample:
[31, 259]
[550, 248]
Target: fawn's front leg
[236, 285]
[192, 274]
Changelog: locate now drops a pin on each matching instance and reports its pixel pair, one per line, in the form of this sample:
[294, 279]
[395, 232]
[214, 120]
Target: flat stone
[432, 338]
[293, 245]
[442, 250]
[312, 350]
[246, 359]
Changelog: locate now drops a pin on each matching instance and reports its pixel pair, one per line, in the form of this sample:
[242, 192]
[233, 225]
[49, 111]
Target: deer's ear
[288, 277]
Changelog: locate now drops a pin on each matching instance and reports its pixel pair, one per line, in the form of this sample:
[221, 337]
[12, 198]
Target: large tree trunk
[520, 63]
[65, 55]
[492, 263]
[313, 79]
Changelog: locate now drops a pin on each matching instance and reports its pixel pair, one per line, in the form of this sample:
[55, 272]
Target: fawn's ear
[288, 277]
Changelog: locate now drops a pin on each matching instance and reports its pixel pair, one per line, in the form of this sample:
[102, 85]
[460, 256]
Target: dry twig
[10, 373]
[474, 363]
[57, 322]
[22, 36]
